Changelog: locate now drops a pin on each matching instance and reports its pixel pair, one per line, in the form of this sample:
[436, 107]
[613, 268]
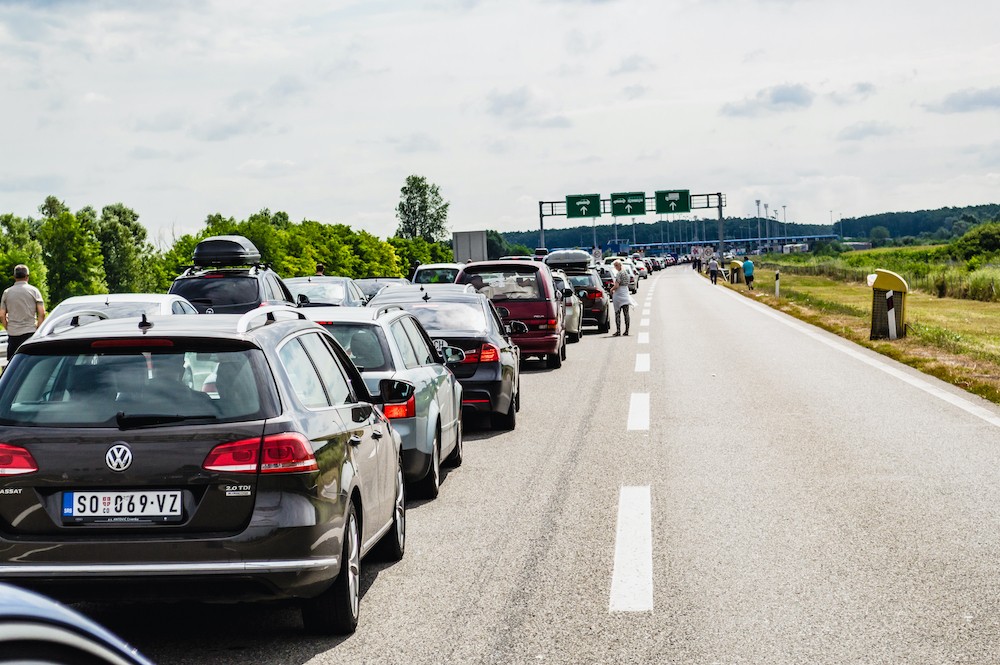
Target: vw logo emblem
[118, 457]
[209, 310]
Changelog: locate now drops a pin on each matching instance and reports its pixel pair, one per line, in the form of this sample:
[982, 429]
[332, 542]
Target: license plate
[124, 507]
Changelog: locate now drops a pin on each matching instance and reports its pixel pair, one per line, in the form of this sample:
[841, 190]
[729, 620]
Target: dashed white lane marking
[645, 312]
[638, 412]
[632, 578]
[643, 322]
[644, 338]
[642, 362]
[843, 346]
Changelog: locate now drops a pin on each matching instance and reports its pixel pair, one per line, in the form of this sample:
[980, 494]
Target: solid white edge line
[840, 344]
[632, 577]
[638, 412]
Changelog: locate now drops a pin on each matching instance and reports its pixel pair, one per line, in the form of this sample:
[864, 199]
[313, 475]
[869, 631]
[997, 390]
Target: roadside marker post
[777, 283]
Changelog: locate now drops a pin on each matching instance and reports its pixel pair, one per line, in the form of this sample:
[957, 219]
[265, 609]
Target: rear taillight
[595, 295]
[288, 452]
[15, 461]
[408, 409]
[489, 354]
[471, 356]
[549, 324]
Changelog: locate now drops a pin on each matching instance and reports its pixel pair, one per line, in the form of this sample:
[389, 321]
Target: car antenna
[144, 325]
[427, 296]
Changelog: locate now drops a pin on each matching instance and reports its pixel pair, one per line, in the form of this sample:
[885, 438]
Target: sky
[180, 109]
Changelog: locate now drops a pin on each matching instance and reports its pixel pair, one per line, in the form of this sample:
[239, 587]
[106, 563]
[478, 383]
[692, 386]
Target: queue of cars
[262, 448]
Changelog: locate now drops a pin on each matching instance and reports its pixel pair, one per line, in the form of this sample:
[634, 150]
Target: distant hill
[942, 224]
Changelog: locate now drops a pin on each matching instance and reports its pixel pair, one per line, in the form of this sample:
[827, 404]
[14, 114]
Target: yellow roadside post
[888, 304]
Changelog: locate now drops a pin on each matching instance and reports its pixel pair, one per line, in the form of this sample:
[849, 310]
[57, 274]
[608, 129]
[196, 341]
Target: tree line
[89, 252]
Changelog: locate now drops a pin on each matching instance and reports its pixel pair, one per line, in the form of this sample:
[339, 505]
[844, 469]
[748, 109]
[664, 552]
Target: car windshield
[584, 280]
[217, 289]
[435, 276]
[364, 343]
[449, 316]
[504, 284]
[372, 285]
[114, 310]
[328, 293]
[133, 388]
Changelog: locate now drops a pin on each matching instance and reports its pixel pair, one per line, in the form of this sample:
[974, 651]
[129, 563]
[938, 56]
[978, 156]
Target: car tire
[554, 360]
[336, 610]
[455, 458]
[606, 325]
[574, 337]
[506, 421]
[517, 399]
[393, 545]
[429, 486]
[562, 351]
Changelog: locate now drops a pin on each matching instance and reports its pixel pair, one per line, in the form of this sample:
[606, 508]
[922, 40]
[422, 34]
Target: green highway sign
[628, 204]
[583, 205]
[673, 200]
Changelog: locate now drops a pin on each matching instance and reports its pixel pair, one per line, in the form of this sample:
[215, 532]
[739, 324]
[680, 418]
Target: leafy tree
[422, 213]
[128, 258]
[879, 236]
[52, 207]
[72, 256]
[983, 239]
[18, 245]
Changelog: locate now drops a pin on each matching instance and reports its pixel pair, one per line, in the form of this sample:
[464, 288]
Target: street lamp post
[784, 223]
[758, 226]
[767, 227]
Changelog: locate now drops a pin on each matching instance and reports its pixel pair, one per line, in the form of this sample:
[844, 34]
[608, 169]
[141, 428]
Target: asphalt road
[789, 499]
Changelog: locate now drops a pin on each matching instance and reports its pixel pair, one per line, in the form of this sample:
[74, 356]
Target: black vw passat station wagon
[211, 458]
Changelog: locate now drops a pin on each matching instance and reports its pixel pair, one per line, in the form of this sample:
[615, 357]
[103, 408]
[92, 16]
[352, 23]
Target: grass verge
[957, 341]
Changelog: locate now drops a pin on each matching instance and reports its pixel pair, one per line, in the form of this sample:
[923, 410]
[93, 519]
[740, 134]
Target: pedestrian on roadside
[320, 269]
[620, 297]
[21, 310]
[713, 269]
[748, 272]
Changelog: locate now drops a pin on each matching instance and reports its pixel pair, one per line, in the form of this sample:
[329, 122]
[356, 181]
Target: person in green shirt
[748, 272]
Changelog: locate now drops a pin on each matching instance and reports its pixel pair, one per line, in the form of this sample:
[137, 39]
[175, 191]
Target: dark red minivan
[525, 289]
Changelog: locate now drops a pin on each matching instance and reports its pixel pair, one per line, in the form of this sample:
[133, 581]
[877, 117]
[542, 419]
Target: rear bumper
[539, 343]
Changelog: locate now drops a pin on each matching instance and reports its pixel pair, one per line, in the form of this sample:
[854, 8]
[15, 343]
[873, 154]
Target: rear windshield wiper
[135, 420]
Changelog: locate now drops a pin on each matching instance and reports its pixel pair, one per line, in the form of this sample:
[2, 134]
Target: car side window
[176, 307]
[302, 375]
[268, 289]
[332, 377]
[405, 346]
[425, 355]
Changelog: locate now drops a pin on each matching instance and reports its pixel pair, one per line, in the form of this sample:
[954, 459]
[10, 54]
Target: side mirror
[515, 328]
[581, 294]
[503, 312]
[568, 293]
[302, 299]
[395, 392]
[452, 355]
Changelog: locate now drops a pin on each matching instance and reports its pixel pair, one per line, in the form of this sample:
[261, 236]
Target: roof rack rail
[243, 325]
[49, 325]
[387, 308]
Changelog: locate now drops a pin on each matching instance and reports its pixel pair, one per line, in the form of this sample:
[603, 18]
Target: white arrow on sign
[628, 208]
[673, 205]
[583, 209]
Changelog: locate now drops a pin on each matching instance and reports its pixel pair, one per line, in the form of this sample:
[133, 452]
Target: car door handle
[377, 433]
[355, 440]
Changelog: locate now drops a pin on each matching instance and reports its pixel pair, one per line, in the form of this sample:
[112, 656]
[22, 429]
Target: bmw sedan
[490, 371]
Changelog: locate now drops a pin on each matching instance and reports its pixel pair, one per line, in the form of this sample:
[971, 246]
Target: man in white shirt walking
[21, 310]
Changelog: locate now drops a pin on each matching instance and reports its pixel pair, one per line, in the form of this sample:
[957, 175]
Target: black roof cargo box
[225, 251]
[569, 258]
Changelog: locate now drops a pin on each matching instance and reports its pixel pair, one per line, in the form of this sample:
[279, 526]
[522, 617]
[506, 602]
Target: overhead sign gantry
[629, 204]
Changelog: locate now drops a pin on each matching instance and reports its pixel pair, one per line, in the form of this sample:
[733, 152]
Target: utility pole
[758, 226]
[767, 227]
[784, 224]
